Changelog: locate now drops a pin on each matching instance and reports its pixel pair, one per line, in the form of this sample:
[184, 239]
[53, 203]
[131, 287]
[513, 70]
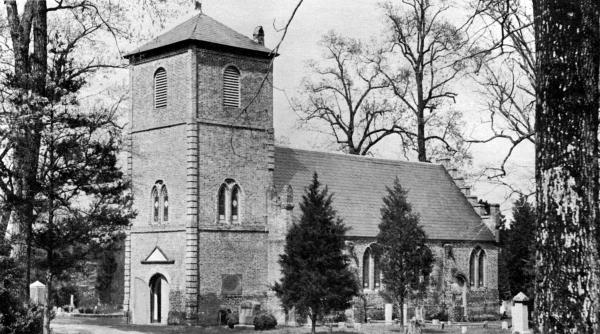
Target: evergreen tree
[518, 250]
[316, 278]
[406, 261]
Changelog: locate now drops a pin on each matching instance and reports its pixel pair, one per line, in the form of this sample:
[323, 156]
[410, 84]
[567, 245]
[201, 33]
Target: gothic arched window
[160, 203]
[481, 269]
[165, 203]
[222, 198]
[155, 204]
[229, 202]
[366, 268]
[235, 201]
[160, 88]
[477, 267]
[231, 87]
[376, 272]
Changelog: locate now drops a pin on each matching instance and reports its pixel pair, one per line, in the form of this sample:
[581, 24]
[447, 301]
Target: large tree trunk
[567, 41]
[29, 76]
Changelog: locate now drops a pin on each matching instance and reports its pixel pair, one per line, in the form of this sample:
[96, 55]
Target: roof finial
[198, 5]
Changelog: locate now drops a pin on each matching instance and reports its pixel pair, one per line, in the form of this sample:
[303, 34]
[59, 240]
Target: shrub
[376, 314]
[264, 321]
[339, 317]
[28, 321]
[456, 313]
[62, 295]
[438, 312]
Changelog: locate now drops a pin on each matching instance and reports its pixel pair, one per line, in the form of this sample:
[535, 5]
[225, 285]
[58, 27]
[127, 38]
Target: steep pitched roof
[359, 184]
[202, 28]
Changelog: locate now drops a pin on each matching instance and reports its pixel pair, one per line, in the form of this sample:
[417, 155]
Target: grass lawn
[116, 326]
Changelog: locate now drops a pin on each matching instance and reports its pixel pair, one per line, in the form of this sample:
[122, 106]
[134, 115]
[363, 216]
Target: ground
[117, 326]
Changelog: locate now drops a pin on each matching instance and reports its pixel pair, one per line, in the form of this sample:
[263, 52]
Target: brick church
[215, 195]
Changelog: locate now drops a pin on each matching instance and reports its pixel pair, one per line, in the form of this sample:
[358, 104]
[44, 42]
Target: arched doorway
[159, 299]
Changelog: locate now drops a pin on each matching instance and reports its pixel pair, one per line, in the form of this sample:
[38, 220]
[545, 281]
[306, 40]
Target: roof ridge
[205, 29]
[195, 25]
[362, 157]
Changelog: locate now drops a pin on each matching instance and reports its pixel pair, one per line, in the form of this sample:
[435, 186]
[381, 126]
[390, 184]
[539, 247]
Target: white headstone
[388, 313]
[463, 329]
[37, 293]
[405, 313]
[520, 323]
[504, 324]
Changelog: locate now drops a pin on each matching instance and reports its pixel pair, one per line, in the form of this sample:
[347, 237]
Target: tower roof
[203, 29]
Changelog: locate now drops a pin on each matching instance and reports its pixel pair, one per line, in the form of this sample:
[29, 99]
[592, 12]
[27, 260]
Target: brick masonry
[195, 144]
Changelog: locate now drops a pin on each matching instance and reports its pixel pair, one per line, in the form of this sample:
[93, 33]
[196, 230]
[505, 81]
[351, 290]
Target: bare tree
[428, 54]
[567, 38]
[347, 94]
[508, 82]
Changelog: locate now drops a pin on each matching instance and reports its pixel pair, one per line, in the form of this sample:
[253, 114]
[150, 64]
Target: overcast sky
[359, 19]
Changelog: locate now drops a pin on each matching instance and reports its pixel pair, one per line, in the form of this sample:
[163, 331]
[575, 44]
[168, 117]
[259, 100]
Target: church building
[215, 195]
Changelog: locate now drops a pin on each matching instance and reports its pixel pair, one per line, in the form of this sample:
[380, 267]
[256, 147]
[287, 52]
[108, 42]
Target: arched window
[160, 203]
[155, 205]
[472, 264]
[231, 87]
[160, 88]
[366, 268]
[235, 202]
[165, 203]
[376, 272]
[229, 202]
[481, 268]
[222, 199]
[477, 267]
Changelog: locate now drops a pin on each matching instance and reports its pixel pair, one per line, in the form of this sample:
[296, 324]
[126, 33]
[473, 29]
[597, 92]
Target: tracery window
[229, 202]
[160, 203]
[371, 270]
[477, 267]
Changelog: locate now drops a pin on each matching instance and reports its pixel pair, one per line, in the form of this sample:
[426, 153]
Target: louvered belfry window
[160, 88]
[231, 87]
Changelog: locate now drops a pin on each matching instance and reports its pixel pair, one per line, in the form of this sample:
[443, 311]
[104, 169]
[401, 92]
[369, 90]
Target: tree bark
[29, 76]
[567, 41]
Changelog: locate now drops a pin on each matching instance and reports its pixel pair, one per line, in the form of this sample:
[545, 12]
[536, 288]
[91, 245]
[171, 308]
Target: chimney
[492, 221]
[197, 5]
[259, 35]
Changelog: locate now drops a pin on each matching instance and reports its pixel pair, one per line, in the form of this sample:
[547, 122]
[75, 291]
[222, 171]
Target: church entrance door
[159, 295]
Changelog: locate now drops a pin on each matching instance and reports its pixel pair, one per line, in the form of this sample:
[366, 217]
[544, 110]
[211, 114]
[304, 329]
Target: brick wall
[159, 151]
[482, 302]
[232, 144]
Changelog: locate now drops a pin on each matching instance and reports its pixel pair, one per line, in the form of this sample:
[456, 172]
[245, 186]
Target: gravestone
[37, 293]
[520, 323]
[388, 313]
[247, 311]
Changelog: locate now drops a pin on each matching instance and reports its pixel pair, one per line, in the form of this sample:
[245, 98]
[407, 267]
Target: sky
[360, 19]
